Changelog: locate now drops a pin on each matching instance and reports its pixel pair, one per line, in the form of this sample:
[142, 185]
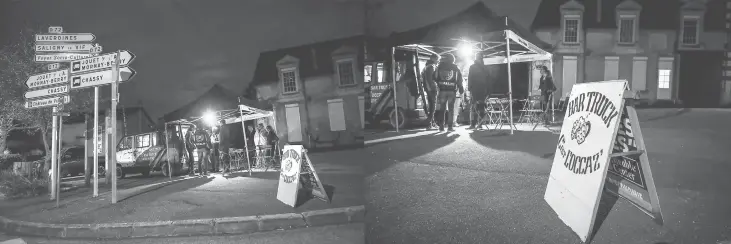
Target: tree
[16, 65]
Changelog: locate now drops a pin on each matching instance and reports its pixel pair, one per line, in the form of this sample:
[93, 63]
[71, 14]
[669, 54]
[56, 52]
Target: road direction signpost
[66, 37]
[104, 61]
[65, 47]
[50, 91]
[61, 57]
[47, 102]
[103, 77]
[47, 79]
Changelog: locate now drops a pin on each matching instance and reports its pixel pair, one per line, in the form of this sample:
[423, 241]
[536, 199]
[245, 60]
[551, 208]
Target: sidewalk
[376, 137]
[238, 203]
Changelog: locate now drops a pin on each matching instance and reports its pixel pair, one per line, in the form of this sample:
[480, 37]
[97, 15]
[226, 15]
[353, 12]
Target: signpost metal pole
[106, 143]
[54, 162]
[58, 161]
[87, 176]
[115, 98]
[393, 78]
[96, 142]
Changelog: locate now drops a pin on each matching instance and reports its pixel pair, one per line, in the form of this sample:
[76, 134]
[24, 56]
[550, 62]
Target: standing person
[250, 147]
[224, 145]
[260, 140]
[202, 142]
[547, 88]
[449, 81]
[190, 147]
[215, 141]
[431, 88]
[477, 87]
[272, 140]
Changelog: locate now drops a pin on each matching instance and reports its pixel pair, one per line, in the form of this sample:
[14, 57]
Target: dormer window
[345, 72]
[627, 29]
[571, 29]
[690, 30]
[289, 80]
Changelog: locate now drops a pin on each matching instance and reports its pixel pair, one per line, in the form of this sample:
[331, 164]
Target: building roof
[217, 98]
[320, 53]
[477, 22]
[655, 14]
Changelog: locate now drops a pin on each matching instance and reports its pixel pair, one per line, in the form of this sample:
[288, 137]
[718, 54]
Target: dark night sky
[185, 46]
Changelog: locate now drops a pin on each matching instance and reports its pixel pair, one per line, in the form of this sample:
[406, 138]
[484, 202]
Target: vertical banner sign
[289, 180]
[629, 175]
[579, 167]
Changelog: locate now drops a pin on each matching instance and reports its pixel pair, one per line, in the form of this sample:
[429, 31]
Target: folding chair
[498, 107]
[531, 111]
[545, 113]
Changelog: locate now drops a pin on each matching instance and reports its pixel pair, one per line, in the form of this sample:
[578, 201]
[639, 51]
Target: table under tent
[243, 114]
[463, 35]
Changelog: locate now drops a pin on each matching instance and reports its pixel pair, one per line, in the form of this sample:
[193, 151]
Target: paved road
[342, 234]
[485, 188]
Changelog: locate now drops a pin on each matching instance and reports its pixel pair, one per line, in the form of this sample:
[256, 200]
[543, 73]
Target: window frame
[121, 143]
[633, 31]
[566, 19]
[669, 82]
[697, 20]
[338, 63]
[294, 70]
[137, 142]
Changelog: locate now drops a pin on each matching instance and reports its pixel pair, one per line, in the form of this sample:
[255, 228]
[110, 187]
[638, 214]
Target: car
[72, 162]
[145, 153]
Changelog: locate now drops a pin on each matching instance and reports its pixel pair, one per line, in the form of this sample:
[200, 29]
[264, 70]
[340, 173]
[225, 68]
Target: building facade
[672, 51]
[316, 92]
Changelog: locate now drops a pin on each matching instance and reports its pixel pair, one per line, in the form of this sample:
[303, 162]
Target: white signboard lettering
[61, 57]
[47, 79]
[104, 61]
[47, 92]
[64, 47]
[47, 102]
[53, 66]
[67, 37]
[100, 78]
[289, 177]
[581, 160]
[55, 29]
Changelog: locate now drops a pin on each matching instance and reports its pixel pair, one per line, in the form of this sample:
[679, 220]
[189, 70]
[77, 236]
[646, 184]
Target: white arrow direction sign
[65, 47]
[47, 79]
[100, 78]
[66, 37]
[104, 61]
[47, 92]
[61, 57]
[47, 102]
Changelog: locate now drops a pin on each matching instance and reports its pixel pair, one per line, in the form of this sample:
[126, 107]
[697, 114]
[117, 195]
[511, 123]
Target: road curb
[193, 227]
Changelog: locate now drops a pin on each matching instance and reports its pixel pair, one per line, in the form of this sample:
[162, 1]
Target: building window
[663, 79]
[691, 27]
[289, 80]
[345, 72]
[626, 30]
[571, 30]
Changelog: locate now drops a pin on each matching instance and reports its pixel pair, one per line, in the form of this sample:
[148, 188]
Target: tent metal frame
[508, 56]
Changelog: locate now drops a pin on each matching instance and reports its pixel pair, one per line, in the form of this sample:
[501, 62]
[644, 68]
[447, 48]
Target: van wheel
[120, 172]
[401, 118]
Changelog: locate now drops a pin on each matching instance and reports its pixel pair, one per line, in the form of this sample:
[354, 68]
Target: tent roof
[215, 99]
[477, 24]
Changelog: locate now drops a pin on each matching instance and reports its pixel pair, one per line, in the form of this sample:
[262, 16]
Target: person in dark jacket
[250, 146]
[224, 145]
[272, 140]
[202, 143]
[477, 85]
[449, 80]
[216, 142]
[189, 147]
[547, 88]
[431, 88]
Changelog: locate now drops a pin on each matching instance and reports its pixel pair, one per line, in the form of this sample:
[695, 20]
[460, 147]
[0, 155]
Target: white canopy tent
[511, 49]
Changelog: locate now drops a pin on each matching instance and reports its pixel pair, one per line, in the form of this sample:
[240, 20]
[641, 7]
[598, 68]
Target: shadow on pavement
[382, 157]
[304, 196]
[667, 115]
[537, 143]
[606, 203]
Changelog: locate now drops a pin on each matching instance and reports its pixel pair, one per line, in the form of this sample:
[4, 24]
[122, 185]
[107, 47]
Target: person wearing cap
[477, 87]
[431, 88]
[449, 81]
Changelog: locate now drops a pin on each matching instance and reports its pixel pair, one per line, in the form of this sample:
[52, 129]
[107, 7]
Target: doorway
[700, 78]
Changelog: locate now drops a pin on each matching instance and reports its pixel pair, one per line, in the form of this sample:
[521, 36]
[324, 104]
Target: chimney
[599, 11]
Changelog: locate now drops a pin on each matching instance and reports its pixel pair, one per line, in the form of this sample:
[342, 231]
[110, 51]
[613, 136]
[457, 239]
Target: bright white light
[466, 51]
[209, 118]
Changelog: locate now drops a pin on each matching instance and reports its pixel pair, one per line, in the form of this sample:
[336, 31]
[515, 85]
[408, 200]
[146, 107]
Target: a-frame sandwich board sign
[298, 172]
[630, 176]
[585, 147]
